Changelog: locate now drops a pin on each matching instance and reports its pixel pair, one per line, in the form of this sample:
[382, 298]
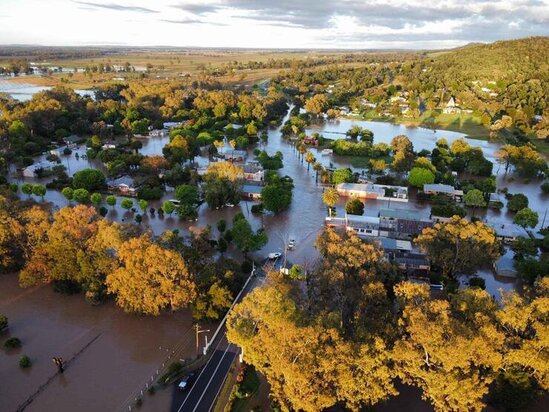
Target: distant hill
[502, 60]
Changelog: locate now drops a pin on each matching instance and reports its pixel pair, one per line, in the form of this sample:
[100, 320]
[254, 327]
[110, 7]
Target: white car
[291, 244]
[274, 255]
[229, 204]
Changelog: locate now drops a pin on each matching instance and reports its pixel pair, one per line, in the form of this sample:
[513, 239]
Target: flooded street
[118, 351]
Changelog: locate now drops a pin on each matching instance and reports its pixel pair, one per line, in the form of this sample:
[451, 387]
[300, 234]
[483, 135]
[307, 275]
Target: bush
[257, 208]
[221, 225]
[477, 282]
[147, 192]
[25, 362]
[12, 343]
[517, 202]
[3, 322]
[545, 187]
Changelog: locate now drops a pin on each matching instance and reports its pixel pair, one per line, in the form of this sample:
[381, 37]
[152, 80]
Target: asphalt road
[202, 395]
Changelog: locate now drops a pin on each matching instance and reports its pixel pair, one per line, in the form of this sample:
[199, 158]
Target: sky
[334, 24]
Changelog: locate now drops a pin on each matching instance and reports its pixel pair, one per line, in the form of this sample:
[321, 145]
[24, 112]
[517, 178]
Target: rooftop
[404, 214]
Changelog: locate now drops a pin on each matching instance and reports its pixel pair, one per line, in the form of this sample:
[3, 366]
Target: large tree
[89, 179]
[150, 278]
[459, 246]
[309, 366]
[451, 350]
[420, 176]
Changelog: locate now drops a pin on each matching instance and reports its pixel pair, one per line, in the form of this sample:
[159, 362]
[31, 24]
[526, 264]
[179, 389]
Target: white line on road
[211, 378]
[218, 391]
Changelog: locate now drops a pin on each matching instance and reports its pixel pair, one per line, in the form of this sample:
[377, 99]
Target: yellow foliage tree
[459, 246]
[150, 278]
[451, 350]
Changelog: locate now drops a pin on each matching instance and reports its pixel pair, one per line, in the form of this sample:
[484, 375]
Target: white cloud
[271, 23]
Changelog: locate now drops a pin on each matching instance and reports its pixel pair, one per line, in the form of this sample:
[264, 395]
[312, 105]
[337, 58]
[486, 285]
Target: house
[373, 191]
[123, 184]
[310, 141]
[252, 192]
[158, 133]
[254, 172]
[108, 146]
[31, 171]
[344, 110]
[495, 200]
[451, 107]
[232, 155]
[392, 247]
[363, 225]
[505, 265]
[72, 140]
[171, 125]
[508, 232]
[413, 263]
[438, 189]
[401, 223]
[368, 104]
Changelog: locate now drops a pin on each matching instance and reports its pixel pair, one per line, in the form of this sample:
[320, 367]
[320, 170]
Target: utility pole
[198, 331]
[544, 216]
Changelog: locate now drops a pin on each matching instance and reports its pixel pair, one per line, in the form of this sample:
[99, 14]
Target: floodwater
[24, 91]
[305, 218]
[119, 352]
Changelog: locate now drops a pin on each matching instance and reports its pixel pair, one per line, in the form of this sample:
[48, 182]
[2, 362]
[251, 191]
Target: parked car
[186, 382]
[274, 255]
[291, 244]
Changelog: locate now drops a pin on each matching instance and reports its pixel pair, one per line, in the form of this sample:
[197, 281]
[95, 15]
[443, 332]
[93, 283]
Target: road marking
[211, 378]
[220, 388]
[199, 375]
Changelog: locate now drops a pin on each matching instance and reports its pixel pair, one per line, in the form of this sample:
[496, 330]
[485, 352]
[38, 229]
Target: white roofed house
[373, 191]
[451, 107]
[232, 155]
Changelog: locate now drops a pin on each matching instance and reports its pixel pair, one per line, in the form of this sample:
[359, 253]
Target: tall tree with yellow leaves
[451, 350]
[459, 246]
[150, 278]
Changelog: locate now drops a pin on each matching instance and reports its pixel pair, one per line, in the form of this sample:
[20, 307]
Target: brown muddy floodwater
[119, 352]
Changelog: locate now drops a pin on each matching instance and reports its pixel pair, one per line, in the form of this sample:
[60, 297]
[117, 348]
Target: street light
[197, 332]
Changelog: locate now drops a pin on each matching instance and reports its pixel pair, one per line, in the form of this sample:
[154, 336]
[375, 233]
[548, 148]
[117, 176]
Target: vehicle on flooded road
[274, 255]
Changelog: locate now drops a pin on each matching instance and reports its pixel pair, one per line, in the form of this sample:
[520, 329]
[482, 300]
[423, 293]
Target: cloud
[117, 7]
